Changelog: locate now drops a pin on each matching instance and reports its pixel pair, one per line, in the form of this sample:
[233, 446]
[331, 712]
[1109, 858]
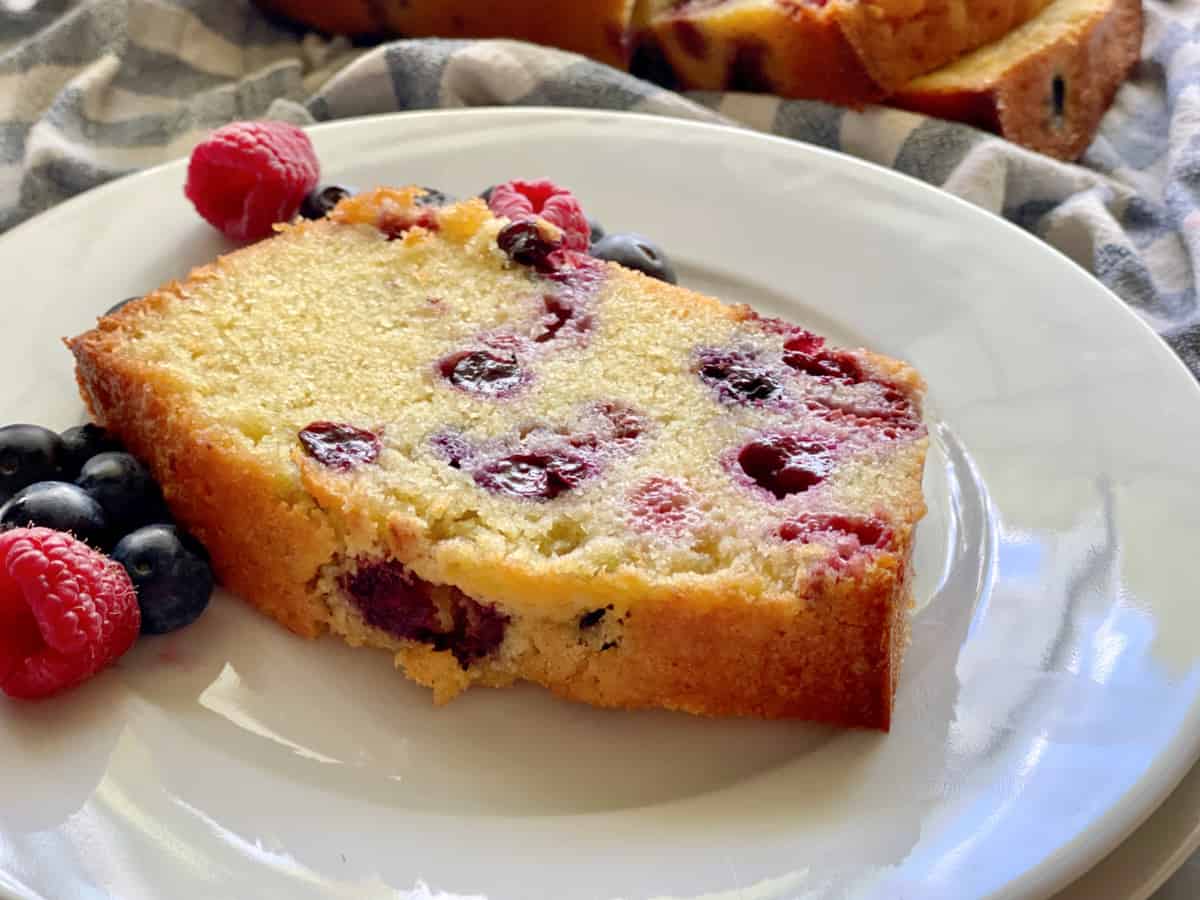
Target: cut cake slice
[557, 470]
[1045, 85]
[845, 51]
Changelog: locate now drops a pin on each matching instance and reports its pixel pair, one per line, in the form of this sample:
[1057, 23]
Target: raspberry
[247, 176]
[66, 612]
[519, 200]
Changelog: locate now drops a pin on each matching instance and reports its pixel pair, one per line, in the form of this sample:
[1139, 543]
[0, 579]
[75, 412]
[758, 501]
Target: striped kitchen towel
[93, 90]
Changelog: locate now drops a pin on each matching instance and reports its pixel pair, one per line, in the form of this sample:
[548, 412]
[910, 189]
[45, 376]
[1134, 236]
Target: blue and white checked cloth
[93, 90]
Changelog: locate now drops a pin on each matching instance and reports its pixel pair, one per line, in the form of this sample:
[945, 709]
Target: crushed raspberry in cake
[846, 534]
[662, 504]
[541, 463]
[392, 598]
[559, 312]
[805, 352]
[541, 475]
[489, 373]
[340, 446]
[737, 376]
[788, 462]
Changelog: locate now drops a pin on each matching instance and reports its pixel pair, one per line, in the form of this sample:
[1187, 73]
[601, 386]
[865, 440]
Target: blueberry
[170, 573]
[126, 490]
[434, 197]
[83, 442]
[486, 194]
[116, 307]
[322, 199]
[634, 251]
[57, 505]
[598, 231]
[28, 453]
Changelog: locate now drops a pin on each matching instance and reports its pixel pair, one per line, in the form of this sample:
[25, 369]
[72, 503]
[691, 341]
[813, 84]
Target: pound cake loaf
[851, 52]
[596, 28]
[454, 436]
[1045, 85]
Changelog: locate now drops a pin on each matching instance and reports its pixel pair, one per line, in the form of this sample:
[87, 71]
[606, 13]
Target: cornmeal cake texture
[447, 434]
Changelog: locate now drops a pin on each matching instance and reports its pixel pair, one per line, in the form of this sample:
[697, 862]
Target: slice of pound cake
[457, 437]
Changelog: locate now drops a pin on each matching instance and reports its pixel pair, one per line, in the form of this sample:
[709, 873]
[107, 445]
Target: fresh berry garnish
[340, 446]
[491, 373]
[58, 505]
[125, 488]
[536, 474]
[595, 230]
[805, 352]
[28, 453]
[433, 197]
[247, 176]
[320, 201]
[486, 195]
[845, 534]
[738, 377]
[81, 443]
[170, 573]
[662, 504]
[66, 612]
[524, 243]
[390, 597]
[788, 463]
[518, 200]
[119, 305]
[635, 251]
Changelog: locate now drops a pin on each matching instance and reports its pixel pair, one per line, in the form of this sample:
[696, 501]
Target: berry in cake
[247, 176]
[561, 471]
[66, 612]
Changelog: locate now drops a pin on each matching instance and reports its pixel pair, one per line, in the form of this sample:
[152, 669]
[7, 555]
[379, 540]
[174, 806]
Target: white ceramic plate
[1049, 701]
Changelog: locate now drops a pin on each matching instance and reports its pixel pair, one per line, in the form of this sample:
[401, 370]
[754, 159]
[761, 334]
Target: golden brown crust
[205, 476]
[833, 659]
[1045, 86]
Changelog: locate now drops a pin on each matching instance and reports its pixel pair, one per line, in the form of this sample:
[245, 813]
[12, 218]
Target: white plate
[1049, 701]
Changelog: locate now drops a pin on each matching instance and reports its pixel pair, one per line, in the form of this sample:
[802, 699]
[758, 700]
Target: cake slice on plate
[454, 436]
